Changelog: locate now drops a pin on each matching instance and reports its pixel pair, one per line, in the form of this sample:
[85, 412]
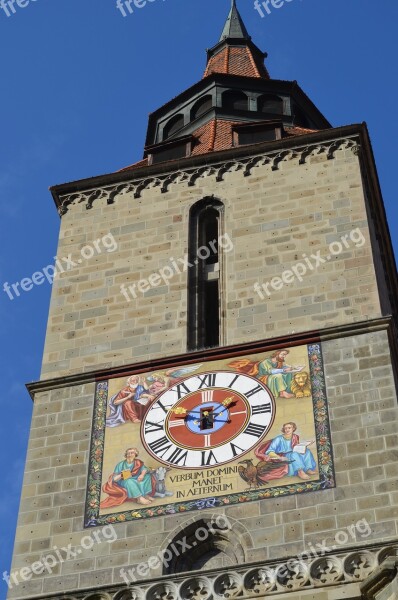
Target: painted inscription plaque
[208, 434]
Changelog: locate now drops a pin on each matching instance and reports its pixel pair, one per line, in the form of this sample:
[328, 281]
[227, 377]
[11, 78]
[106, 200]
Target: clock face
[208, 419]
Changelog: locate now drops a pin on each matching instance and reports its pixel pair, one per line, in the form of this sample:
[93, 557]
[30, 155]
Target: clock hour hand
[183, 411]
[179, 411]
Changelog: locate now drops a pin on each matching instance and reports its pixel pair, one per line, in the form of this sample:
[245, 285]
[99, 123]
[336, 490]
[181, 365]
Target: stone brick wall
[364, 421]
[272, 217]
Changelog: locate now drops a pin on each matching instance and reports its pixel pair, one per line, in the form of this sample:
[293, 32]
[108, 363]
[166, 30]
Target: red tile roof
[291, 131]
[213, 136]
[217, 135]
[236, 61]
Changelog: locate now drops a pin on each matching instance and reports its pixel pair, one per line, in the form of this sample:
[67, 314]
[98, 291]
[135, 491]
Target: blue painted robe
[304, 462]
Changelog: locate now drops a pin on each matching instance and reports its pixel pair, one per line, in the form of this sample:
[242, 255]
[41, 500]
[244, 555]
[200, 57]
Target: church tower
[216, 416]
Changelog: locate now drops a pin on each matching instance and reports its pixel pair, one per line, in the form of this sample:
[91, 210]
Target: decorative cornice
[268, 578]
[218, 170]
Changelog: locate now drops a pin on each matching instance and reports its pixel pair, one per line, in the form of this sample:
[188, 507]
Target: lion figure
[301, 386]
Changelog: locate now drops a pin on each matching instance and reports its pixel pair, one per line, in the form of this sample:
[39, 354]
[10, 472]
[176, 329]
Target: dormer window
[175, 124]
[254, 133]
[269, 103]
[234, 100]
[170, 150]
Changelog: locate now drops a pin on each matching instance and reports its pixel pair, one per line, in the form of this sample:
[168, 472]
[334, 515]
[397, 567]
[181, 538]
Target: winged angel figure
[132, 402]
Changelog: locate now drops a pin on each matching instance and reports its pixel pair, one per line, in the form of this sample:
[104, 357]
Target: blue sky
[77, 83]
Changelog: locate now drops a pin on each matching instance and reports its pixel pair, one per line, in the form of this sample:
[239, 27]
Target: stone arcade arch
[172, 126]
[270, 103]
[235, 100]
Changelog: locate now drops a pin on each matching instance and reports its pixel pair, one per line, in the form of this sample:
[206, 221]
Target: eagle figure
[252, 473]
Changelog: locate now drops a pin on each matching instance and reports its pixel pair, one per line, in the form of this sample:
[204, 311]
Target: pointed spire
[235, 53]
[234, 26]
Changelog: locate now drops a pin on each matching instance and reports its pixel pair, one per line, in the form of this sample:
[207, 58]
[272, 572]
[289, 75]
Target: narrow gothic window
[204, 289]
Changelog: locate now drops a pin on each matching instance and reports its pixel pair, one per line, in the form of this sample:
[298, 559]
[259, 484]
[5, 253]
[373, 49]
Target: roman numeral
[256, 430]
[176, 423]
[160, 446]
[179, 387]
[263, 408]
[178, 456]
[208, 380]
[255, 390]
[164, 408]
[150, 427]
[207, 457]
[235, 448]
[233, 381]
[207, 396]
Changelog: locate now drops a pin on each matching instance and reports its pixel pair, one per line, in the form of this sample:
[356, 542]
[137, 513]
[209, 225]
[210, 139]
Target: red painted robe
[132, 410]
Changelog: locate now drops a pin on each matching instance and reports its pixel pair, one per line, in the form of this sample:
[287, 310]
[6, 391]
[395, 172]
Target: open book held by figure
[286, 448]
[273, 371]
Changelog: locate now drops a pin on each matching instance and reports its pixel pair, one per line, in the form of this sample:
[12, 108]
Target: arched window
[235, 100]
[201, 106]
[270, 104]
[172, 126]
[204, 276]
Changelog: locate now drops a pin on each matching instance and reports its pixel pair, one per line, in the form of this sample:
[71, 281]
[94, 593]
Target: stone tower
[216, 415]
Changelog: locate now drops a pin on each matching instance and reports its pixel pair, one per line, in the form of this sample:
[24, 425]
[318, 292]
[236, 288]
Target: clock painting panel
[203, 435]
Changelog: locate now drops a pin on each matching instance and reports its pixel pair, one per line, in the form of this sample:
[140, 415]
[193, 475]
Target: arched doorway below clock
[212, 541]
